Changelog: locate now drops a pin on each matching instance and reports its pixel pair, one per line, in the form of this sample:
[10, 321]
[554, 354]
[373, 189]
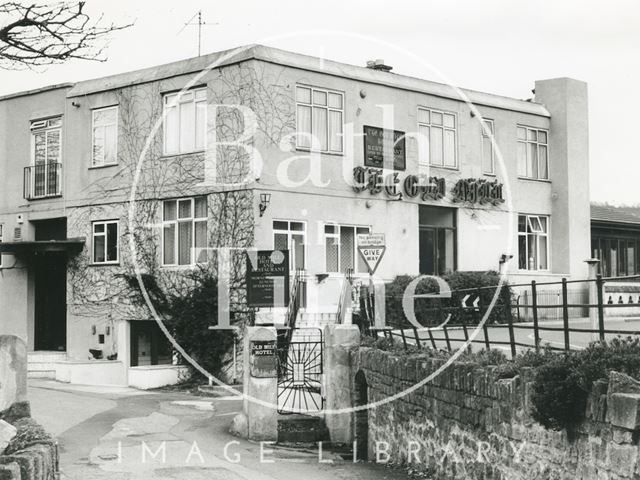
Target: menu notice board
[268, 278]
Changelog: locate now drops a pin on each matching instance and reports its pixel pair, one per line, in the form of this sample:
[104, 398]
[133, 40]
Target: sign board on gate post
[371, 248]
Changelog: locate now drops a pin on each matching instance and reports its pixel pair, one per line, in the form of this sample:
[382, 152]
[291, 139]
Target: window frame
[356, 254]
[166, 104]
[289, 232]
[93, 138]
[454, 129]
[176, 235]
[525, 234]
[328, 109]
[491, 139]
[44, 125]
[527, 142]
[106, 240]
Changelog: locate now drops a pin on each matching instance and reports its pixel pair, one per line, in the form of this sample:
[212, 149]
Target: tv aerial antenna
[197, 20]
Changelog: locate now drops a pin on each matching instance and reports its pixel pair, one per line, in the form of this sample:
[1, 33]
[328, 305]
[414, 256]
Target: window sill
[105, 264]
[493, 175]
[181, 267]
[181, 154]
[442, 167]
[539, 180]
[306, 150]
[99, 167]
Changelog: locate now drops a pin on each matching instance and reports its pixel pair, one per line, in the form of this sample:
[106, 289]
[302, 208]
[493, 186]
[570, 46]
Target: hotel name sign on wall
[465, 190]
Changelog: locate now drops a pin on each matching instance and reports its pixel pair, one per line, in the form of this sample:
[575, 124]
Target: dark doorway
[50, 312]
[362, 418]
[437, 240]
[149, 345]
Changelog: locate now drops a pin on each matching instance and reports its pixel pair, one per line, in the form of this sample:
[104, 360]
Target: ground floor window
[292, 236]
[149, 345]
[341, 249]
[437, 240]
[618, 255]
[533, 242]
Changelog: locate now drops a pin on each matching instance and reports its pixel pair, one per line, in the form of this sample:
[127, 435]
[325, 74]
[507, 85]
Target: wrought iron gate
[300, 370]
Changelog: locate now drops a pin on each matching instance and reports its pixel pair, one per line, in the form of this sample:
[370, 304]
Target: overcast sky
[498, 46]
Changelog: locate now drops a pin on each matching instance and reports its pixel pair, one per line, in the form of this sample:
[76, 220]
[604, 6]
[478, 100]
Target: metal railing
[604, 315]
[42, 181]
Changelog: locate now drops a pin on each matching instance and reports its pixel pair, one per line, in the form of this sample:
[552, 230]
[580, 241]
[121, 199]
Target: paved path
[114, 433]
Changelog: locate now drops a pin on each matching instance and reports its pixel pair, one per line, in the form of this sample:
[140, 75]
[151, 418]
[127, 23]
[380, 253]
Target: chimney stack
[379, 64]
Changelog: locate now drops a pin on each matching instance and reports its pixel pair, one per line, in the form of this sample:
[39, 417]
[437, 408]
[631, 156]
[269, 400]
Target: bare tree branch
[37, 35]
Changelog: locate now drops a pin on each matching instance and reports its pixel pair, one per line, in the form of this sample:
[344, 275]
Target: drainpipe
[593, 296]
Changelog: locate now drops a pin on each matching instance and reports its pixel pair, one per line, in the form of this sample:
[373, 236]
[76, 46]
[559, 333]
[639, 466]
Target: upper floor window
[488, 163]
[439, 130]
[533, 242]
[533, 161]
[47, 141]
[341, 249]
[291, 236]
[319, 116]
[105, 241]
[184, 231]
[105, 137]
[185, 124]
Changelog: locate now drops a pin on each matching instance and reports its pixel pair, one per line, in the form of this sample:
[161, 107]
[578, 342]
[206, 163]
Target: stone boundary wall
[468, 424]
[35, 456]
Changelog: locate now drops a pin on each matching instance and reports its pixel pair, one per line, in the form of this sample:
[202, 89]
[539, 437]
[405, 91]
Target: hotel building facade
[454, 179]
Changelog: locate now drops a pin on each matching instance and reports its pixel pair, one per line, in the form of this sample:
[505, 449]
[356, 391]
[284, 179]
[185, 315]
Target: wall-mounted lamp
[504, 258]
[265, 199]
[75, 104]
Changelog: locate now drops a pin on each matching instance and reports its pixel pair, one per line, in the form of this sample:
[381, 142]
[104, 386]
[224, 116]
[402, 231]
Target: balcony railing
[42, 181]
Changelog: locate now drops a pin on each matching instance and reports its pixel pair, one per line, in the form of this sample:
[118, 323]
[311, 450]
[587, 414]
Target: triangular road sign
[371, 249]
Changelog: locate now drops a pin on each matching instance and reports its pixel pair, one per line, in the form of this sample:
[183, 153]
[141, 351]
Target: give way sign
[371, 247]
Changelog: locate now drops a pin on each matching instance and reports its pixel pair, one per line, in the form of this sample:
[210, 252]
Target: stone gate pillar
[259, 418]
[13, 371]
[339, 341]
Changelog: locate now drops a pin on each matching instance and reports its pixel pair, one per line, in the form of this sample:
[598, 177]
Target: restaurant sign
[382, 145]
[268, 278]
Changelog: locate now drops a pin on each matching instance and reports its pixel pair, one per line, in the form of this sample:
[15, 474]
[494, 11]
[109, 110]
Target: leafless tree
[36, 35]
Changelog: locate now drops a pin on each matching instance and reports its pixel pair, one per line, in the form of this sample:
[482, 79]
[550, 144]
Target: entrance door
[50, 315]
[437, 240]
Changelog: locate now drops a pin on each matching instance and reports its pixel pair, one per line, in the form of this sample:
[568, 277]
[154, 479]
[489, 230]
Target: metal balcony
[43, 181]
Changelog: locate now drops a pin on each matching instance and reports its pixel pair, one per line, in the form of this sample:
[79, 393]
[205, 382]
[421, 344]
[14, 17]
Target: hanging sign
[371, 248]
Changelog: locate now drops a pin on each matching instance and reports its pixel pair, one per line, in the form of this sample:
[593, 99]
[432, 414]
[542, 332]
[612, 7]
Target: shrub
[560, 392]
[433, 311]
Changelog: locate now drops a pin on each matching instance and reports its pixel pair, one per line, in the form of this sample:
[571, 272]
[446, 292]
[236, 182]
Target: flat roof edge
[35, 91]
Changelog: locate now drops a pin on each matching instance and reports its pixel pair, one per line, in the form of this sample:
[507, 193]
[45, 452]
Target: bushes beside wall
[477, 419]
[431, 312]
